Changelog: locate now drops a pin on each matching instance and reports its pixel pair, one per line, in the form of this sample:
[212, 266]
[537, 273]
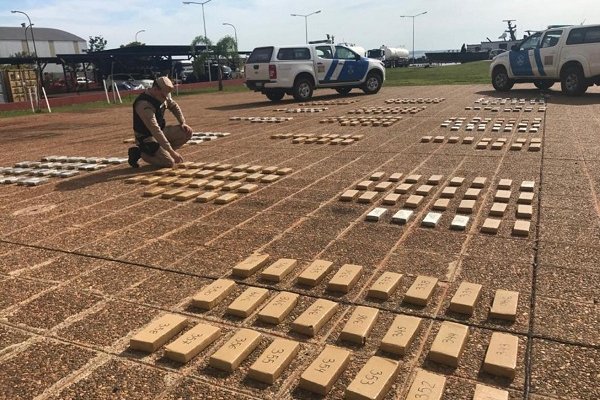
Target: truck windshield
[531, 42]
[375, 53]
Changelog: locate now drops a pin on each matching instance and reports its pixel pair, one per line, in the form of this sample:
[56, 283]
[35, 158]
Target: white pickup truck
[569, 55]
[297, 70]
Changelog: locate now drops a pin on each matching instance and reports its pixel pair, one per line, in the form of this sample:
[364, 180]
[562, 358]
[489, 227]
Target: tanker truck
[392, 57]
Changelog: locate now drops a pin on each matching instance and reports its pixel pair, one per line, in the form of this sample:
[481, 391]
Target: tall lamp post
[234, 32]
[236, 41]
[204, 23]
[37, 61]
[24, 25]
[413, 29]
[306, 21]
[143, 30]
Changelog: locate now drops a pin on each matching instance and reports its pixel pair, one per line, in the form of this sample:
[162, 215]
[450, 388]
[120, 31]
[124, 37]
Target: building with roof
[48, 42]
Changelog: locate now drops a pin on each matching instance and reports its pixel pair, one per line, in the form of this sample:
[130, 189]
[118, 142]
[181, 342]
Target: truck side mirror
[514, 47]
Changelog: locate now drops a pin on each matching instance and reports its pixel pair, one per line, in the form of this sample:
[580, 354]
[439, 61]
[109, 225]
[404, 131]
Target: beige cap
[164, 83]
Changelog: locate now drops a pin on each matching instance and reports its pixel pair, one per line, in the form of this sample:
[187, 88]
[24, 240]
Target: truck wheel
[343, 90]
[573, 82]
[275, 95]
[501, 81]
[303, 89]
[372, 84]
[543, 84]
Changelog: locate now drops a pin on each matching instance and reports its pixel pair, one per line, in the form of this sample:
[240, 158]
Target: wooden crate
[19, 82]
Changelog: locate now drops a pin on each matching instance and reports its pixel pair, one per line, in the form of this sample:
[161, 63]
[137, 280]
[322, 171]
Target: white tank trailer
[391, 56]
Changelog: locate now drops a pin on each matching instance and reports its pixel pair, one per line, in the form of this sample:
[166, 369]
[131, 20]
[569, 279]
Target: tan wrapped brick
[229, 356]
[449, 343]
[400, 334]
[345, 278]
[250, 265]
[465, 298]
[385, 285]
[278, 308]
[315, 273]
[324, 371]
[373, 381]
[501, 355]
[192, 342]
[247, 302]
[314, 317]
[158, 332]
[212, 294]
[421, 290]
[274, 360]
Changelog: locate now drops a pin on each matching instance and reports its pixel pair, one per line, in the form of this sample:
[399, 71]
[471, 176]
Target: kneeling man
[157, 142]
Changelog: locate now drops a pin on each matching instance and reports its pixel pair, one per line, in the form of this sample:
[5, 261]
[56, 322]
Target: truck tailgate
[257, 66]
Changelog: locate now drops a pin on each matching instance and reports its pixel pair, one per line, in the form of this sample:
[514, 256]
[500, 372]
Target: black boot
[134, 154]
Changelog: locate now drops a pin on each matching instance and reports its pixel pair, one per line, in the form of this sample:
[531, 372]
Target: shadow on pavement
[86, 179]
[286, 101]
[552, 96]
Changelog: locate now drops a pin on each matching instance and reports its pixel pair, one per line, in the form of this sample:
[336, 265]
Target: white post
[116, 89]
[176, 85]
[114, 96]
[31, 100]
[46, 97]
[106, 91]
[37, 98]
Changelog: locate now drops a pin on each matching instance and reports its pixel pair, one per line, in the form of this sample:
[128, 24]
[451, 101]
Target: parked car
[227, 72]
[124, 85]
[135, 81]
[81, 80]
[189, 76]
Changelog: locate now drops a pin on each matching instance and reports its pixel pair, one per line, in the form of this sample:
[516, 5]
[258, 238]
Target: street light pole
[143, 30]
[413, 30]
[24, 25]
[204, 23]
[37, 61]
[305, 21]
[234, 32]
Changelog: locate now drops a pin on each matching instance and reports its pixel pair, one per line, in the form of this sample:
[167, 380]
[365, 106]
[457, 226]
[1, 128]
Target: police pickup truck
[298, 70]
[569, 55]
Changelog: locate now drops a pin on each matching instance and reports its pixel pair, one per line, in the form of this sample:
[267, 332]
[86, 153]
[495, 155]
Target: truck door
[522, 59]
[324, 62]
[547, 54]
[353, 67]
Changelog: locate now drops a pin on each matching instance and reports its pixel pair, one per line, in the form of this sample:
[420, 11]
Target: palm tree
[224, 50]
[200, 60]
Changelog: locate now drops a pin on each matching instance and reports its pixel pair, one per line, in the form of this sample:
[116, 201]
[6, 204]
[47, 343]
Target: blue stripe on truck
[331, 70]
[538, 62]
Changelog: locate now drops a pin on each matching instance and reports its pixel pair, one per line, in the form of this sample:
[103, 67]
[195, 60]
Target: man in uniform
[156, 142]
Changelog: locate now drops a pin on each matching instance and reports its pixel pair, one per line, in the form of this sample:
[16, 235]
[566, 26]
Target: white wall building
[48, 41]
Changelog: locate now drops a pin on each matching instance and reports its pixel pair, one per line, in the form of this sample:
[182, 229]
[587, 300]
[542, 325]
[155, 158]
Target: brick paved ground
[87, 262]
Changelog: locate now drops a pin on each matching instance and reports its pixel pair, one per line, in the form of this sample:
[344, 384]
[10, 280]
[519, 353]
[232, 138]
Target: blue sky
[447, 25]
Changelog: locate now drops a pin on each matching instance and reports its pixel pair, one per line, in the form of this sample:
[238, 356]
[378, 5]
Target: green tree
[21, 54]
[224, 51]
[132, 44]
[96, 43]
[200, 59]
